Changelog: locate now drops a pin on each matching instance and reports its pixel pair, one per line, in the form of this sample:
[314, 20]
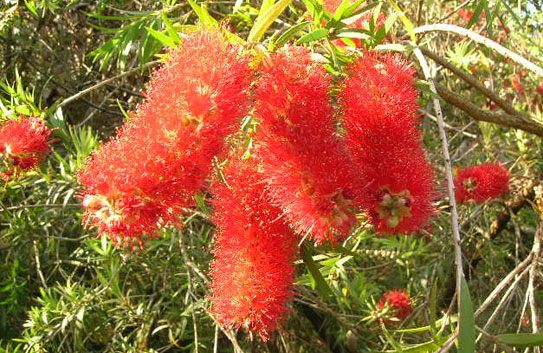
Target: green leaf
[289, 33]
[314, 272]
[162, 37]
[352, 33]
[266, 4]
[466, 322]
[392, 341]
[406, 22]
[426, 347]
[480, 7]
[265, 19]
[338, 15]
[522, 340]
[313, 36]
[169, 27]
[352, 9]
[450, 319]
[203, 15]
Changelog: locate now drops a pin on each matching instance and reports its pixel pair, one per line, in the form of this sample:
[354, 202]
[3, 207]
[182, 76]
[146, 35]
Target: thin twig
[449, 174]
[505, 298]
[45, 205]
[38, 264]
[496, 340]
[481, 40]
[494, 294]
[536, 249]
[189, 292]
[105, 82]
[460, 131]
[216, 340]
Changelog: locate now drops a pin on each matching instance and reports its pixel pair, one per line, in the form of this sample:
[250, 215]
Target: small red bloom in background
[144, 177]
[24, 143]
[540, 88]
[379, 104]
[253, 271]
[481, 183]
[363, 22]
[305, 163]
[517, 85]
[465, 15]
[398, 302]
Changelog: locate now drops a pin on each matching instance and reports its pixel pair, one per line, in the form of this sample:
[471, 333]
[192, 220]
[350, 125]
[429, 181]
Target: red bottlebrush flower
[361, 23]
[517, 85]
[398, 302]
[144, 177]
[253, 271]
[465, 15]
[540, 88]
[481, 183]
[306, 165]
[379, 106]
[24, 143]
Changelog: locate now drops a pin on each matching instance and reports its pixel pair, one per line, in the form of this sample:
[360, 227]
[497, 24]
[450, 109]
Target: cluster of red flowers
[481, 183]
[398, 304]
[159, 160]
[380, 116]
[24, 143]
[304, 178]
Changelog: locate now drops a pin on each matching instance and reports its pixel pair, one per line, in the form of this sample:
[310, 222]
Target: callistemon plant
[24, 143]
[481, 183]
[379, 104]
[161, 157]
[305, 163]
[253, 271]
[301, 180]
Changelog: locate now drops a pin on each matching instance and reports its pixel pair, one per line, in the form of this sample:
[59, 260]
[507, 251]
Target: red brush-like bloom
[306, 166]
[161, 157]
[363, 22]
[24, 143]
[253, 271]
[465, 15]
[481, 183]
[398, 302]
[379, 106]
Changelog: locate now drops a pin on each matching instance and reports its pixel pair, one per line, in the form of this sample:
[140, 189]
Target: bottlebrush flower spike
[398, 302]
[379, 106]
[253, 271]
[305, 164]
[159, 160]
[481, 183]
[24, 143]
